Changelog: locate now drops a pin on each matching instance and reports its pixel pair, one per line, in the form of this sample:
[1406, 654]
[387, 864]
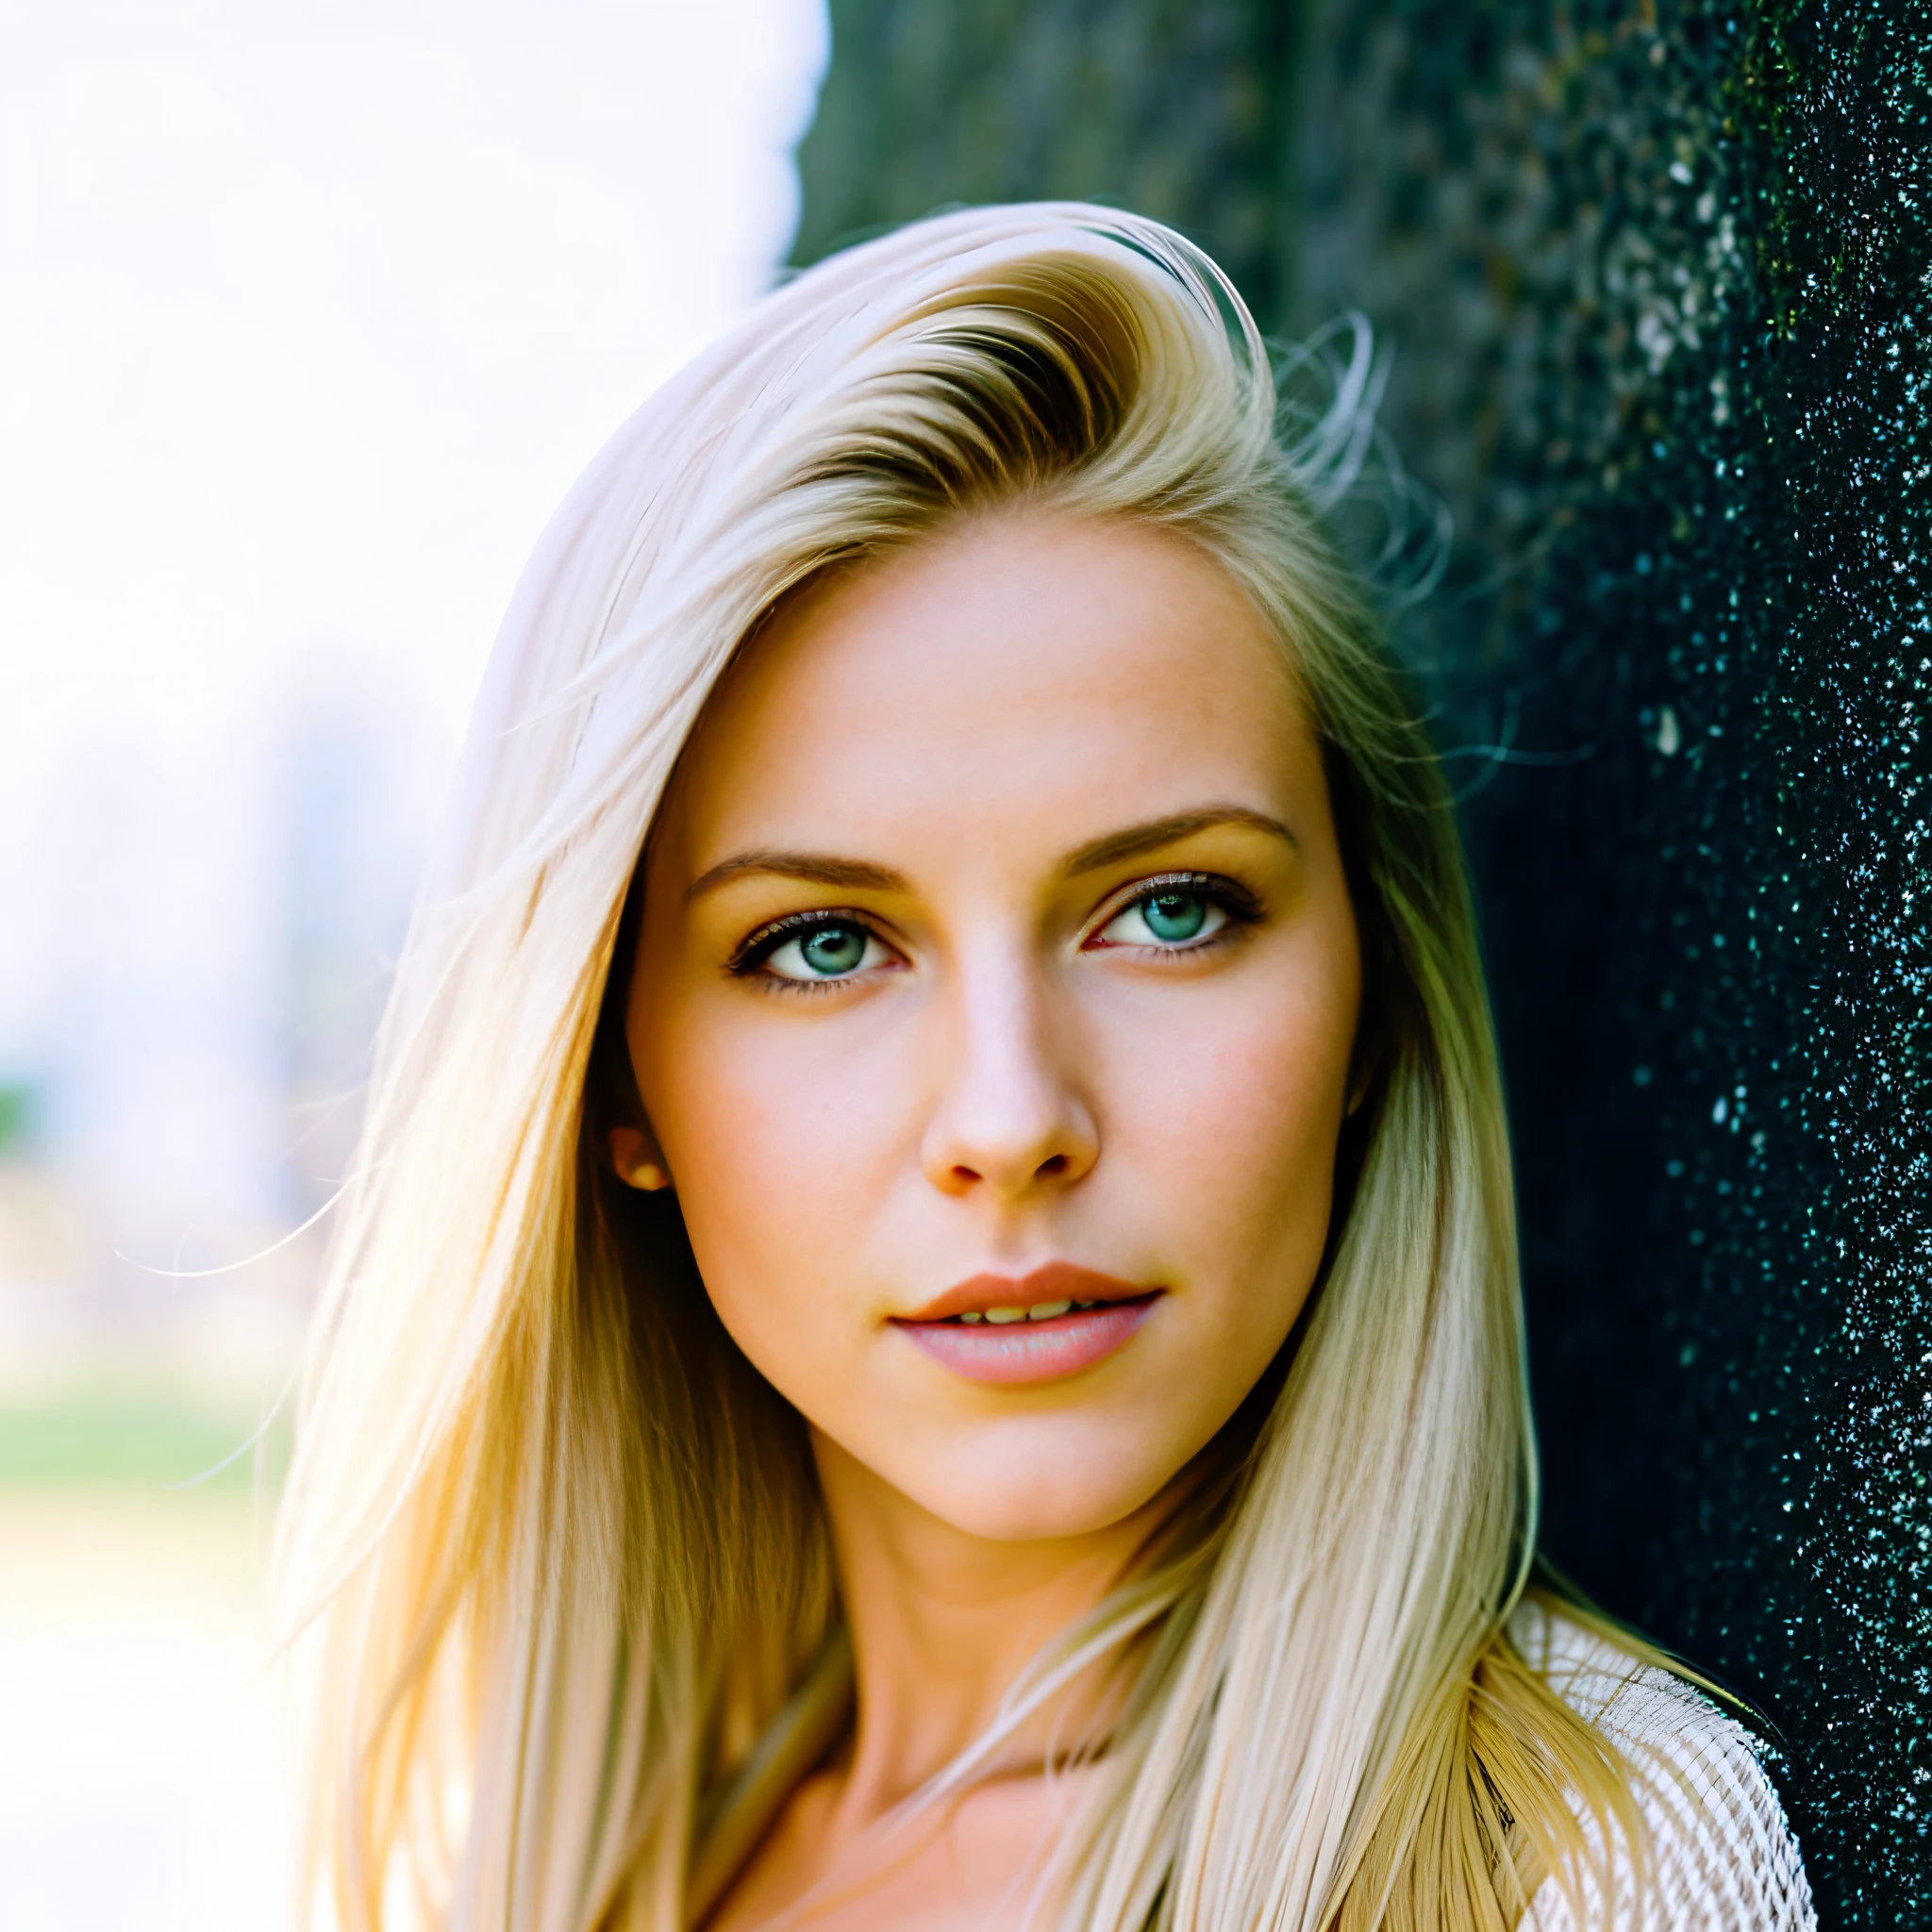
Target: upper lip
[1055, 1281]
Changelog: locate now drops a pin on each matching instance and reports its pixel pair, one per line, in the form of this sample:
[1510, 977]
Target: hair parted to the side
[559, 1602]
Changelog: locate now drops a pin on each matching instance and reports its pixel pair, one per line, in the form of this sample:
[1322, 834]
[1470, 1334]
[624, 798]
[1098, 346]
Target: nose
[1009, 1119]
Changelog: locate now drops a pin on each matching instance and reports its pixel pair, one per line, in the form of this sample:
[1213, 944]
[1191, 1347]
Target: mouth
[1036, 1327]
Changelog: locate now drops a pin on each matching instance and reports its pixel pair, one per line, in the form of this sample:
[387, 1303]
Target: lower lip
[1013, 1352]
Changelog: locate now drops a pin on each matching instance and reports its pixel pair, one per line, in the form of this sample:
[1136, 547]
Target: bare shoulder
[1722, 1857]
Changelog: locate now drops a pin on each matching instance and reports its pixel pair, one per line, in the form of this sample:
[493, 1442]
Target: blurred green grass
[107, 1436]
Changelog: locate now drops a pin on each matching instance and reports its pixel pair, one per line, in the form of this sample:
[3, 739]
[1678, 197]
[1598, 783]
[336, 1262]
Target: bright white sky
[309, 313]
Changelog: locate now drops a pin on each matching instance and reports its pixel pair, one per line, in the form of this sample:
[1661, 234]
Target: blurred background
[308, 316]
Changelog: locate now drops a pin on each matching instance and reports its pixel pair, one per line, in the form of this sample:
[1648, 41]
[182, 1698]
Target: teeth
[1040, 1311]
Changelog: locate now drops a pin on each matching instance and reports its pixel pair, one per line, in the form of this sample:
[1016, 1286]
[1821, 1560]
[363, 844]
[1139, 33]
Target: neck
[943, 1623]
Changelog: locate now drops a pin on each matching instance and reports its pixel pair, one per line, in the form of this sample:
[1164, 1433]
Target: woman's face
[997, 958]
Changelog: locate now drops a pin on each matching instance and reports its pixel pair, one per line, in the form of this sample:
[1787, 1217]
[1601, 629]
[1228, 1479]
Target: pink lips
[1030, 1351]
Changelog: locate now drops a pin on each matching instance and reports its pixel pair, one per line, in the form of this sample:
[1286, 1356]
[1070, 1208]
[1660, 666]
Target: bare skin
[995, 920]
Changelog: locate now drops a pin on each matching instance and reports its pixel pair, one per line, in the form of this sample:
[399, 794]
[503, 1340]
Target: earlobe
[637, 1161]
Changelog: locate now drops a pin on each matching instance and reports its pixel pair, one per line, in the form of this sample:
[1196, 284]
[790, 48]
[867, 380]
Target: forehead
[1021, 673]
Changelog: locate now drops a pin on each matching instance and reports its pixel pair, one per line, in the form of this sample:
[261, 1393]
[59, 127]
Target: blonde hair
[562, 1617]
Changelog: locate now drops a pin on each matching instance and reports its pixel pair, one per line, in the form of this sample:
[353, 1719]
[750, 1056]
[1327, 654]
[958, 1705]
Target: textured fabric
[1725, 1861]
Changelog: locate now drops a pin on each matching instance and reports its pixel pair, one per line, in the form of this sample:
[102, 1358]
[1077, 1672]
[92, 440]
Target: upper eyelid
[1184, 875]
[1119, 900]
[1241, 905]
[776, 931]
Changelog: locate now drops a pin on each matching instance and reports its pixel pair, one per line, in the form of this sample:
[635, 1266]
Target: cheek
[780, 1143]
[1230, 1113]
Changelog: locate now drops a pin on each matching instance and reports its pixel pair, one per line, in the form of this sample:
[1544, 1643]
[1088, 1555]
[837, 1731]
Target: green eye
[1174, 917]
[830, 951]
[833, 949]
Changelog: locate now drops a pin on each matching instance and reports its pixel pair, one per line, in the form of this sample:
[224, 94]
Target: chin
[1037, 1501]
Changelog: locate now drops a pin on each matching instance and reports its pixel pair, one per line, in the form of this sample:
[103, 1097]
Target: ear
[639, 1160]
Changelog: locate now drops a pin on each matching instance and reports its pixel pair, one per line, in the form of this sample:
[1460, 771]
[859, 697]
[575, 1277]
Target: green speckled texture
[1658, 283]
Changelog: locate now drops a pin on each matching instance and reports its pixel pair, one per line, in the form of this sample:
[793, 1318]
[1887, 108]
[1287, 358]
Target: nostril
[1051, 1169]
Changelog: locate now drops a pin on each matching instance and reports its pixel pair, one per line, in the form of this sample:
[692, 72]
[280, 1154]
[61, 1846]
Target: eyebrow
[1139, 840]
[861, 875]
[815, 868]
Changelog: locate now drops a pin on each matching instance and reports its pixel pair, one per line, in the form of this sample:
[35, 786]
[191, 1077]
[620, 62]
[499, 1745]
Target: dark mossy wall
[1176, 108]
[1658, 282]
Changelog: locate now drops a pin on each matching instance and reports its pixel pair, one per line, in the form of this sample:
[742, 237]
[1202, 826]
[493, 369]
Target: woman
[925, 1331]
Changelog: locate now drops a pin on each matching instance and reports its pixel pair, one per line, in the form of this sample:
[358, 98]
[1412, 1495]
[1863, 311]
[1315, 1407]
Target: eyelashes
[1179, 913]
[831, 945]
[1175, 914]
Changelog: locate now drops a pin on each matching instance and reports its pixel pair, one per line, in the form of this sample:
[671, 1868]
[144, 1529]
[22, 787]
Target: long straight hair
[562, 1616]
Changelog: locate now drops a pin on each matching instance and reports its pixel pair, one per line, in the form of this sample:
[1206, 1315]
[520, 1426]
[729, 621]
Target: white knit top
[1725, 1861]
